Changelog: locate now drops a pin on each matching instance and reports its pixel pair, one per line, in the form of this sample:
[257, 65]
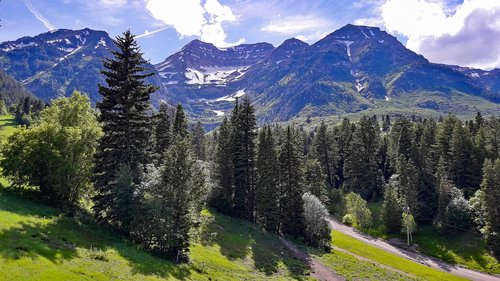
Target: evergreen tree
[199, 147]
[410, 180]
[342, 137]
[163, 131]
[491, 189]
[267, 189]
[315, 180]
[291, 181]
[223, 195]
[361, 163]
[391, 209]
[460, 165]
[325, 153]
[124, 116]
[244, 134]
[180, 126]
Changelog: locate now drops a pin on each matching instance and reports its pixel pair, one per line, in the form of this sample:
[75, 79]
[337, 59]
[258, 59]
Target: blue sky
[464, 32]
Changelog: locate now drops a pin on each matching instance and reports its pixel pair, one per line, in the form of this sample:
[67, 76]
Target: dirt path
[319, 271]
[425, 260]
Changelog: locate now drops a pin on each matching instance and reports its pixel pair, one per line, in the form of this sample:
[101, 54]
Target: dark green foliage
[244, 134]
[222, 196]
[410, 185]
[163, 131]
[199, 147]
[267, 187]
[124, 109]
[291, 185]
[491, 188]
[12, 91]
[361, 163]
[315, 180]
[342, 137]
[391, 209]
[457, 215]
[180, 126]
[461, 162]
[124, 204]
[324, 151]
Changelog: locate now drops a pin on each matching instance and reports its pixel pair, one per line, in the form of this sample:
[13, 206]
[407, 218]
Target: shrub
[317, 228]
[356, 206]
[348, 219]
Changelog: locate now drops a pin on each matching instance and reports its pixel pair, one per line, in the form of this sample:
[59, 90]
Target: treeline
[443, 172]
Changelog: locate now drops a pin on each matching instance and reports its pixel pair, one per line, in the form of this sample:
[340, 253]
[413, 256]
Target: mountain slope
[59, 62]
[11, 91]
[355, 70]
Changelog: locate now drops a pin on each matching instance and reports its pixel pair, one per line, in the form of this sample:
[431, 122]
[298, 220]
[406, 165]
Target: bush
[356, 206]
[457, 214]
[348, 219]
[317, 228]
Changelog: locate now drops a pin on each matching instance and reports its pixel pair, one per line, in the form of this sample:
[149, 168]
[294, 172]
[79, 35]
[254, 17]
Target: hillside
[11, 91]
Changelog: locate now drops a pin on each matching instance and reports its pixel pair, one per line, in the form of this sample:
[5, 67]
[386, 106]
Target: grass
[38, 244]
[377, 255]
[7, 126]
[465, 248]
[352, 268]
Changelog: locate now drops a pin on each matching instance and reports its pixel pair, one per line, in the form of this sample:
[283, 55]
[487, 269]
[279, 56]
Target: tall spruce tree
[491, 189]
[325, 153]
[291, 185]
[461, 160]
[223, 196]
[163, 131]
[199, 147]
[244, 135]
[361, 163]
[314, 180]
[267, 188]
[126, 123]
[391, 209]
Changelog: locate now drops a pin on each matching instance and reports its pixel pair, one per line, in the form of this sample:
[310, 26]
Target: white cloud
[39, 16]
[466, 34]
[294, 25]
[191, 18]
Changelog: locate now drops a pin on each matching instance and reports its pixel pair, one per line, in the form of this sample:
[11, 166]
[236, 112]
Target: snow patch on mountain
[12, 47]
[219, 112]
[213, 75]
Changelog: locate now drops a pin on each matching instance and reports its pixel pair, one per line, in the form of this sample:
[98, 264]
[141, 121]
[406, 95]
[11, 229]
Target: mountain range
[354, 70]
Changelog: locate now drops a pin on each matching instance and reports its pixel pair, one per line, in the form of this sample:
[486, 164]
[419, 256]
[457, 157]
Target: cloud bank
[466, 34]
[192, 18]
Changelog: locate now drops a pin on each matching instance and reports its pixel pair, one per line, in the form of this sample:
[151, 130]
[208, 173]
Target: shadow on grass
[241, 240]
[58, 238]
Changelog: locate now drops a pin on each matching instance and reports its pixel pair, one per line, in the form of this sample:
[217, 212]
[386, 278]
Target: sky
[460, 32]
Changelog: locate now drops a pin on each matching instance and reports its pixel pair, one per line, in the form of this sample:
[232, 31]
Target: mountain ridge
[352, 70]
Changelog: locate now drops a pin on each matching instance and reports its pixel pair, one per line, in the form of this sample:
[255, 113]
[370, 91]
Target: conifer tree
[315, 180]
[391, 209]
[199, 142]
[180, 126]
[244, 134]
[267, 189]
[223, 196]
[342, 137]
[460, 158]
[325, 153]
[291, 182]
[361, 163]
[163, 131]
[491, 189]
[410, 180]
[126, 122]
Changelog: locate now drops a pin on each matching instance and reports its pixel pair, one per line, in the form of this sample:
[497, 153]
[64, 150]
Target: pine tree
[291, 181]
[314, 180]
[199, 142]
[391, 209]
[244, 134]
[124, 115]
[410, 180]
[267, 189]
[342, 138]
[460, 165]
[325, 153]
[361, 163]
[163, 131]
[491, 189]
[223, 196]
[180, 126]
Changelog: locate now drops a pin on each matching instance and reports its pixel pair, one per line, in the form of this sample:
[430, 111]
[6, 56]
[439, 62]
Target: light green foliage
[408, 224]
[56, 155]
[356, 206]
[348, 219]
[457, 216]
